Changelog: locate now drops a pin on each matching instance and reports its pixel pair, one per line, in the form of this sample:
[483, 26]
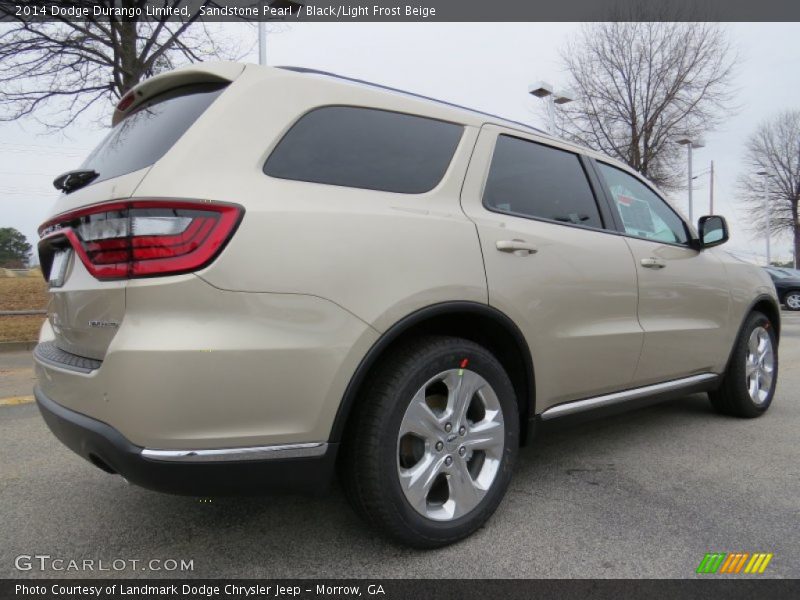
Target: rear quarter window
[366, 148]
[145, 135]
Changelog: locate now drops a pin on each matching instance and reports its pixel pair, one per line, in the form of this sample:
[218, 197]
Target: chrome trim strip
[305, 450]
[568, 408]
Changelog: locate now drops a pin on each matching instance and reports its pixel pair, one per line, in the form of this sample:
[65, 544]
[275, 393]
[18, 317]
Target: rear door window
[146, 135]
[528, 179]
[366, 148]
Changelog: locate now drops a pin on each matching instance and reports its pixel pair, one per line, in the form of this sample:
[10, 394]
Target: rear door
[684, 295]
[553, 266]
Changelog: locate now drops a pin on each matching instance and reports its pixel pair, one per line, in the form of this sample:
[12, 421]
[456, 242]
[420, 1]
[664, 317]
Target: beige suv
[263, 274]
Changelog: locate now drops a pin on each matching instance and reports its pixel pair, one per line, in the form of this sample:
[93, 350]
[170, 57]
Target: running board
[700, 382]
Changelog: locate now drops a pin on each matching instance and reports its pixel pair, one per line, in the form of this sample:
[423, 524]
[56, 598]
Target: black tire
[732, 397]
[370, 468]
[795, 300]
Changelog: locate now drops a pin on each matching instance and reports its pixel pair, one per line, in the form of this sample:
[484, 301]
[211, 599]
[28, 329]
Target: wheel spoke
[766, 378]
[763, 344]
[755, 385]
[463, 491]
[468, 384]
[486, 435]
[752, 343]
[750, 366]
[419, 418]
[417, 480]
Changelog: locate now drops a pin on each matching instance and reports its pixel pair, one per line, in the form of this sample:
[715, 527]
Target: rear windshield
[146, 135]
[366, 148]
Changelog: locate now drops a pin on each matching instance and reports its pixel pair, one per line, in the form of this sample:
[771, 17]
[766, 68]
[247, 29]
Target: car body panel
[192, 366]
[684, 309]
[322, 239]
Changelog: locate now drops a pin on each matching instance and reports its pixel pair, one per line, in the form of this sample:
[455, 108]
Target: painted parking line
[15, 400]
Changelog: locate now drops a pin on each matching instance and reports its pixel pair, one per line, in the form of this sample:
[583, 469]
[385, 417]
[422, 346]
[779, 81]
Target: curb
[17, 346]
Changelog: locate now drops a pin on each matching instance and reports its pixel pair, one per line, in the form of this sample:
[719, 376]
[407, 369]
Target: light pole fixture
[284, 5]
[544, 91]
[768, 210]
[690, 144]
[262, 43]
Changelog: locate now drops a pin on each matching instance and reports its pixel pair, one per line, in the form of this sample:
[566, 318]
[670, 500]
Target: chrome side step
[569, 408]
[305, 450]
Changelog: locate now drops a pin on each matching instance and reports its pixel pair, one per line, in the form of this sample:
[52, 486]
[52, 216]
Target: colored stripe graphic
[711, 562]
[733, 562]
[759, 562]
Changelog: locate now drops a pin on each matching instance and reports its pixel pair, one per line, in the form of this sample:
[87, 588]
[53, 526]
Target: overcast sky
[487, 66]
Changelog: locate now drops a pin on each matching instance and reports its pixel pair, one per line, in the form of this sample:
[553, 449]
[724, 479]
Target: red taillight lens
[144, 238]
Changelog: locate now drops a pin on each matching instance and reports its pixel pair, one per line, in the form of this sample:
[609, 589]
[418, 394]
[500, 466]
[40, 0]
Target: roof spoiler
[196, 73]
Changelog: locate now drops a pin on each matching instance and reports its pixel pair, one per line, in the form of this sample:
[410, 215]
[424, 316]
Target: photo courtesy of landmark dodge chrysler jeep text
[264, 275]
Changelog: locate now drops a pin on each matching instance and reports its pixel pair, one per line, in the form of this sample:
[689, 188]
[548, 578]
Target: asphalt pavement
[641, 494]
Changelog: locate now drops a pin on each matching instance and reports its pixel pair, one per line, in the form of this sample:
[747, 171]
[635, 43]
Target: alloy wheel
[450, 444]
[760, 365]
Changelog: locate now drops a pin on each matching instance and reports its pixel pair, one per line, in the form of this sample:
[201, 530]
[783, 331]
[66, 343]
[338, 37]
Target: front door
[683, 292]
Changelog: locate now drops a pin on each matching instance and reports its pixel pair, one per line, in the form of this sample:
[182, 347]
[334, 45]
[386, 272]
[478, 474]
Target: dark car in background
[787, 284]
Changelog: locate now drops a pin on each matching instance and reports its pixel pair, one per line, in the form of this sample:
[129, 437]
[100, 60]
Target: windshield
[145, 135]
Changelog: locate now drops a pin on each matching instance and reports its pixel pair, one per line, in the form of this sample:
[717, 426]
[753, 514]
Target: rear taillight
[122, 240]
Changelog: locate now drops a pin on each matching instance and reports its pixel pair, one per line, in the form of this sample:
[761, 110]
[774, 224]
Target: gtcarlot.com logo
[734, 563]
[46, 562]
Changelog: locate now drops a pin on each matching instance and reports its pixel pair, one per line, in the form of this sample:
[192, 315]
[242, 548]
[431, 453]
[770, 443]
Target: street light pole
[690, 144]
[544, 91]
[768, 210]
[262, 43]
[711, 190]
[769, 218]
[691, 186]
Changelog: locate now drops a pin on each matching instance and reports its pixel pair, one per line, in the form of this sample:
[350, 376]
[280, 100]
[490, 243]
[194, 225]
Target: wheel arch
[766, 305]
[477, 322]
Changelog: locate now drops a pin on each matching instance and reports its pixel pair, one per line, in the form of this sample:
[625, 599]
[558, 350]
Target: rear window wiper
[72, 180]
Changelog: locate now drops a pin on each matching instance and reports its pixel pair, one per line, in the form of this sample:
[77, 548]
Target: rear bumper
[300, 468]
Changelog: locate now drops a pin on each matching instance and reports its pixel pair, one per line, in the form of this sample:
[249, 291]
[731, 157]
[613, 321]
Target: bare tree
[71, 64]
[774, 148]
[641, 84]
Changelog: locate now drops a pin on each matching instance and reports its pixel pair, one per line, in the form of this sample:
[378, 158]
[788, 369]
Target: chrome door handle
[653, 263]
[518, 247]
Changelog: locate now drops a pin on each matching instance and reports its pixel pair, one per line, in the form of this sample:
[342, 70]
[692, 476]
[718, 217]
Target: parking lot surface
[644, 493]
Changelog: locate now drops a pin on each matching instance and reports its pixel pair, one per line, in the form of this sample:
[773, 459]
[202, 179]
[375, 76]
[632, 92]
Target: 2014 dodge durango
[265, 274]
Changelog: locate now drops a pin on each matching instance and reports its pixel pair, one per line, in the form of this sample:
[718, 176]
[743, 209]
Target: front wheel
[749, 383]
[430, 453]
[792, 300]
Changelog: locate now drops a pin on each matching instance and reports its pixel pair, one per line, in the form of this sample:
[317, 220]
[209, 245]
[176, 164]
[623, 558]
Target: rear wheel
[792, 300]
[430, 451]
[749, 383]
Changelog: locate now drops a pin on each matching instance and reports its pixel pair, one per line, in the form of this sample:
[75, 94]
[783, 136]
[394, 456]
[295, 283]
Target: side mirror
[713, 231]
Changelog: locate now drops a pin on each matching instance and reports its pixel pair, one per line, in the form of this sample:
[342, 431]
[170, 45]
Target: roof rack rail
[415, 95]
